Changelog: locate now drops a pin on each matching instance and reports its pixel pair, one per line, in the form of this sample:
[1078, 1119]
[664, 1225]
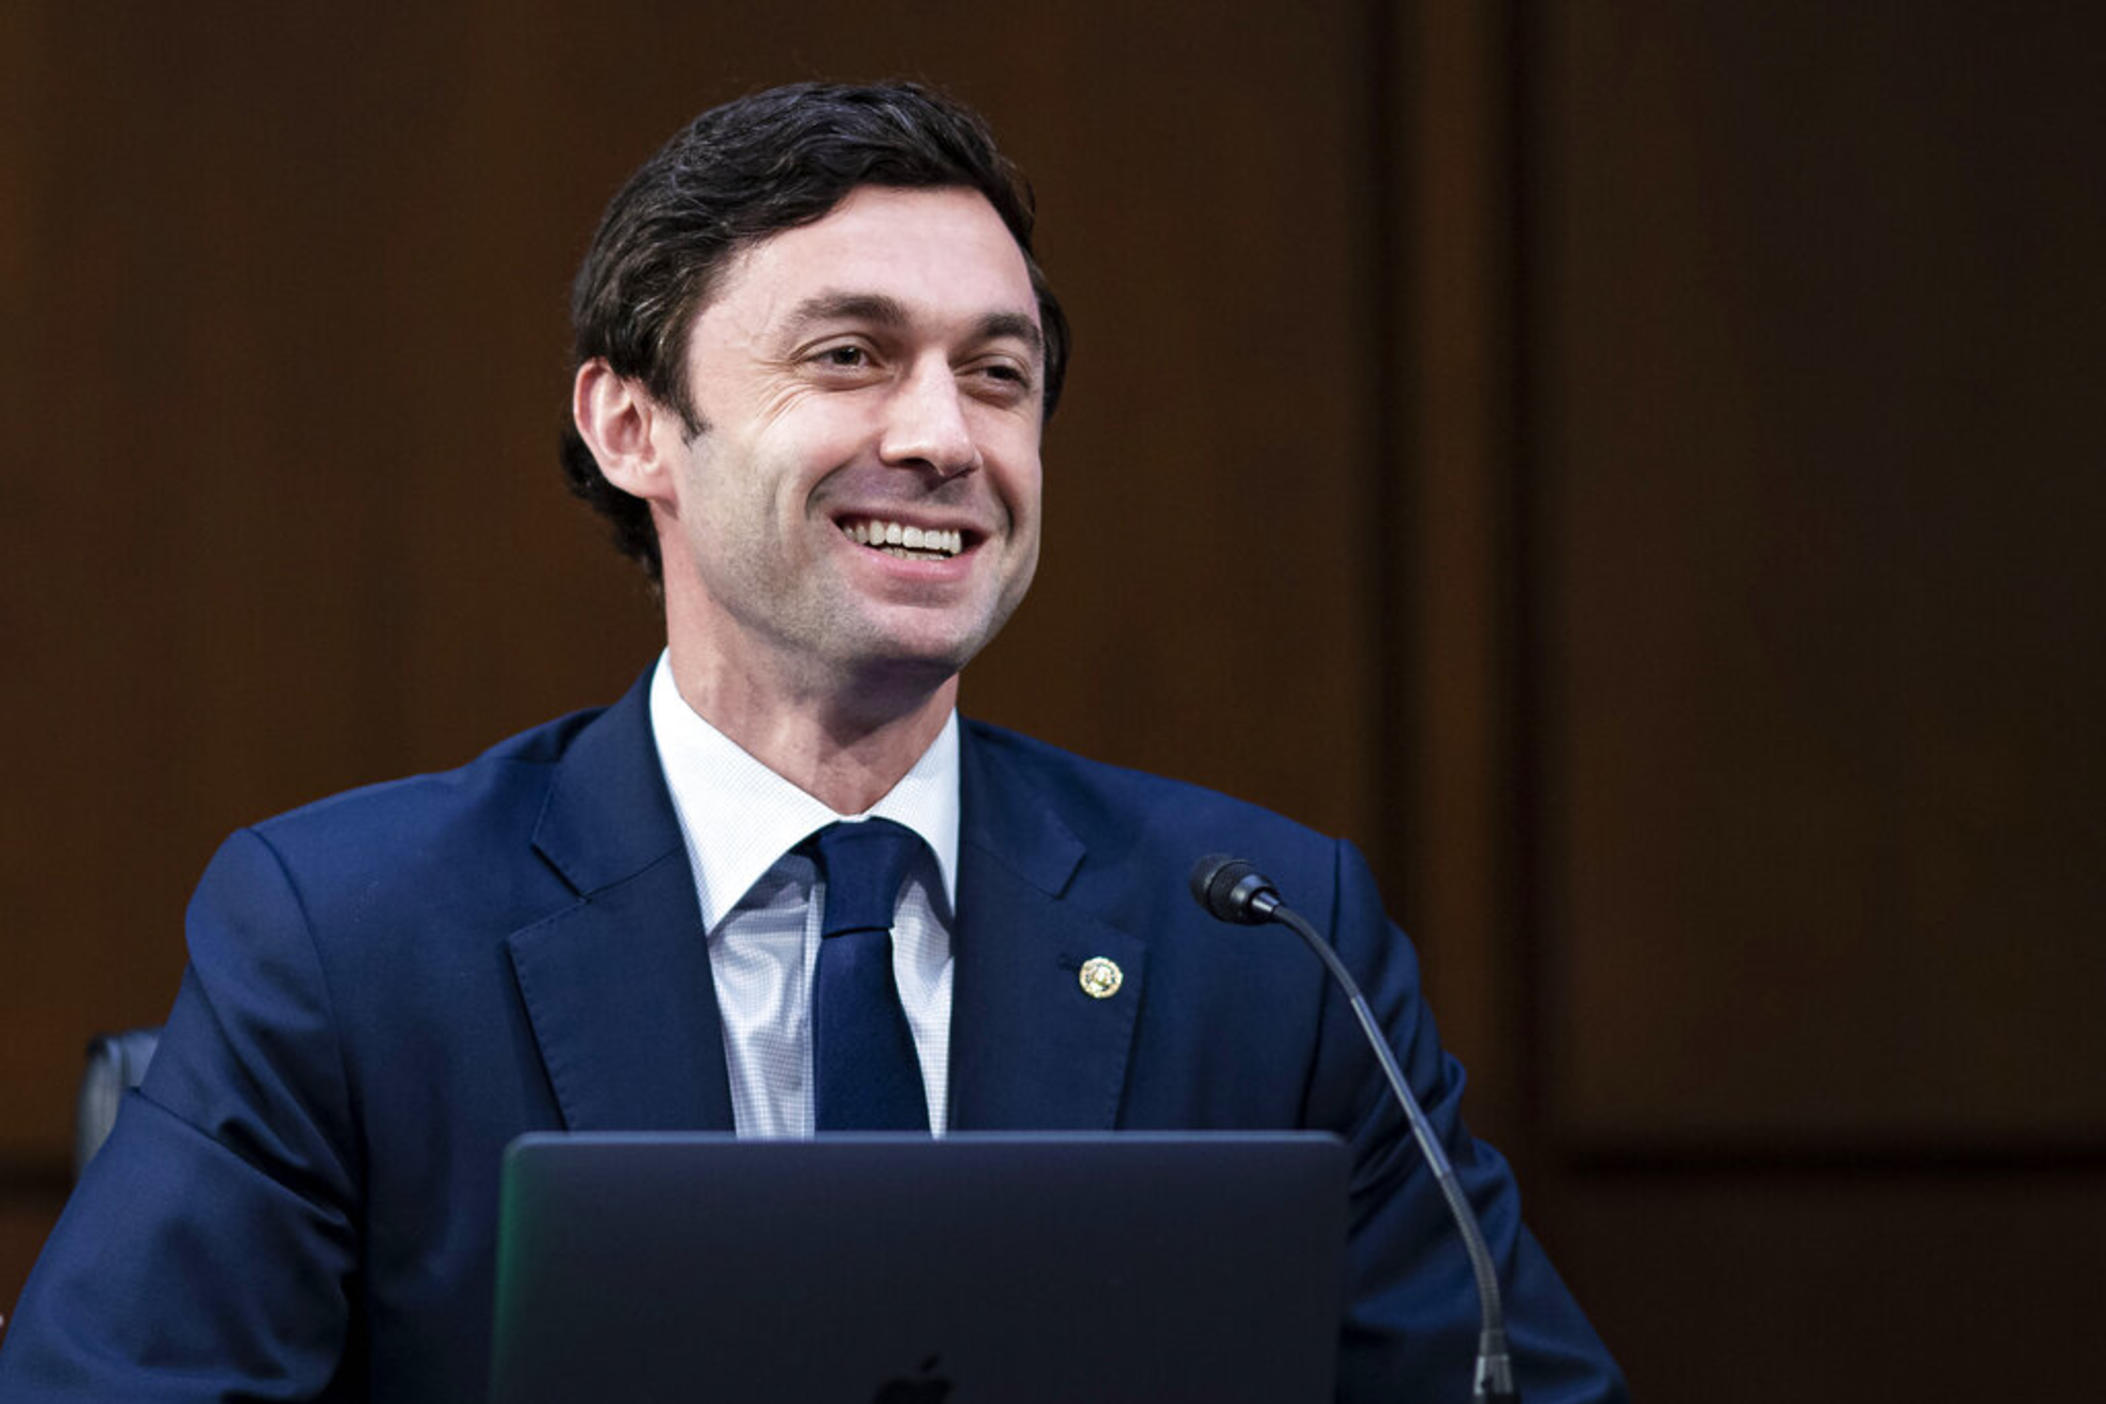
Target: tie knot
[864, 864]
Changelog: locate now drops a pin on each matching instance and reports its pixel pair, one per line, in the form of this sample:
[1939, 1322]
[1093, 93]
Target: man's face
[871, 378]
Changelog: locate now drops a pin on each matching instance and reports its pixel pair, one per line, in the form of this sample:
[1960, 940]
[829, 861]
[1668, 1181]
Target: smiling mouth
[911, 543]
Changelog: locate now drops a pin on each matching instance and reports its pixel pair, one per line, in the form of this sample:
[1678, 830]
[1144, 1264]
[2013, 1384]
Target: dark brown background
[1660, 441]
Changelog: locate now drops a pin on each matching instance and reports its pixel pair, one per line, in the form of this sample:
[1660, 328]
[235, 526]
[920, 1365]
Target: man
[814, 360]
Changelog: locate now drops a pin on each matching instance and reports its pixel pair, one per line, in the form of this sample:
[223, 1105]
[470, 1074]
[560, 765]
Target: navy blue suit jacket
[386, 987]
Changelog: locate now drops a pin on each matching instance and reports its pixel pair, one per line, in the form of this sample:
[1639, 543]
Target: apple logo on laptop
[926, 1387]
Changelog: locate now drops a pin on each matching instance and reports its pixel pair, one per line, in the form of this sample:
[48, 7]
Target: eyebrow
[880, 310]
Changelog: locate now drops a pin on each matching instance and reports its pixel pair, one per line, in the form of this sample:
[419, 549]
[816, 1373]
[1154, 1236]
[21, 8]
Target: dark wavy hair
[736, 175]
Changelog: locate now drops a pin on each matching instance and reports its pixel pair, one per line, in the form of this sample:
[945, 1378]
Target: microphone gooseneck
[1234, 891]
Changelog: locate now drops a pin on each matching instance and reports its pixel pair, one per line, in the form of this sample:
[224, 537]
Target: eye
[845, 357]
[1003, 379]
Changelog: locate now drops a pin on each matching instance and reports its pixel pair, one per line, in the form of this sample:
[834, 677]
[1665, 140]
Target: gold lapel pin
[1101, 978]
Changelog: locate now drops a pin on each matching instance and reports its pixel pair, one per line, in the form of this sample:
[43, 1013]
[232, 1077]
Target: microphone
[1234, 891]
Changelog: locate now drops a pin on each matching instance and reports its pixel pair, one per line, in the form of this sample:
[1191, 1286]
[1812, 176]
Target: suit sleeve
[1412, 1316]
[208, 1251]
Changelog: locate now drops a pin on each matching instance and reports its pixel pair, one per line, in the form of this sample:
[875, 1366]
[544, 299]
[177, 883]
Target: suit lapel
[1030, 1047]
[617, 986]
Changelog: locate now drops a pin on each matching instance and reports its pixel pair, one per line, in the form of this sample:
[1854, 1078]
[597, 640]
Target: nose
[925, 424]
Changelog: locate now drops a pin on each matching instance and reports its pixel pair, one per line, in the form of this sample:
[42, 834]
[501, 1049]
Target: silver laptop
[975, 1269]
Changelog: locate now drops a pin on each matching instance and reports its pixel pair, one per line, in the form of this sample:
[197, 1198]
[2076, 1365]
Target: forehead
[942, 254]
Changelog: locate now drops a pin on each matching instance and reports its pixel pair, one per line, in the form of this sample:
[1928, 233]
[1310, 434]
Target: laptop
[971, 1269]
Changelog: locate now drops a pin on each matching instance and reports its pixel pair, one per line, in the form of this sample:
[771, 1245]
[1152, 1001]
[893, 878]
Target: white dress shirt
[762, 905]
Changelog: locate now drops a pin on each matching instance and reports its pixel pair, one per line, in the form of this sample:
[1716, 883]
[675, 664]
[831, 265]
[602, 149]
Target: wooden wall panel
[1452, 614]
[1752, 1288]
[1817, 312]
[26, 1215]
[1751, 626]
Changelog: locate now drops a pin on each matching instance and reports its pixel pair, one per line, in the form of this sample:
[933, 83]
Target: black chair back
[116, 1063]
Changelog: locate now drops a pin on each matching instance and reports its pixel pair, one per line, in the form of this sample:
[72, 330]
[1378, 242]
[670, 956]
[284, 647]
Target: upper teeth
[912, 538]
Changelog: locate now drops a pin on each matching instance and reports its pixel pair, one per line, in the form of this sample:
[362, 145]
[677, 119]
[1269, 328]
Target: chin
[929, 665]
[909, 666]
[943, 643]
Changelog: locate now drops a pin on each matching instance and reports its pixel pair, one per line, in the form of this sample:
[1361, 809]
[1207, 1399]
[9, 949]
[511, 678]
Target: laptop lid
[904, 1270]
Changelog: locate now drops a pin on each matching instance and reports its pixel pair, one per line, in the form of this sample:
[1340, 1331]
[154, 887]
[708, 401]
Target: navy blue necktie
[868, 1078]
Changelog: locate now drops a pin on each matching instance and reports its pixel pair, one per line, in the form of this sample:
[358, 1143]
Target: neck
[845, 746]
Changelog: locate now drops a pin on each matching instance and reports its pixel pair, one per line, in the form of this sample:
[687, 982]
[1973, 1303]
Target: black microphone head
[1230, 889]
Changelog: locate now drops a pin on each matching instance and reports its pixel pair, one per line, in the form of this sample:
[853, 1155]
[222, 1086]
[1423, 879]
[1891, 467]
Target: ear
[626, 430]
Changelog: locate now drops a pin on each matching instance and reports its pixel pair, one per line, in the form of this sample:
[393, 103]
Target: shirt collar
[738, 817]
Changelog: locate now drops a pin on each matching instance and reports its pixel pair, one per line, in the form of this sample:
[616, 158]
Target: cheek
[757, 473]
[808, 415]
[801, 450]
[1022, 488]
[1012, 459]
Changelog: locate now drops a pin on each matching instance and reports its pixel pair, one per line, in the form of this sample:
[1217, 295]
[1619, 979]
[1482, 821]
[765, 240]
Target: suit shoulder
[416, 811]
[1145, 811]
